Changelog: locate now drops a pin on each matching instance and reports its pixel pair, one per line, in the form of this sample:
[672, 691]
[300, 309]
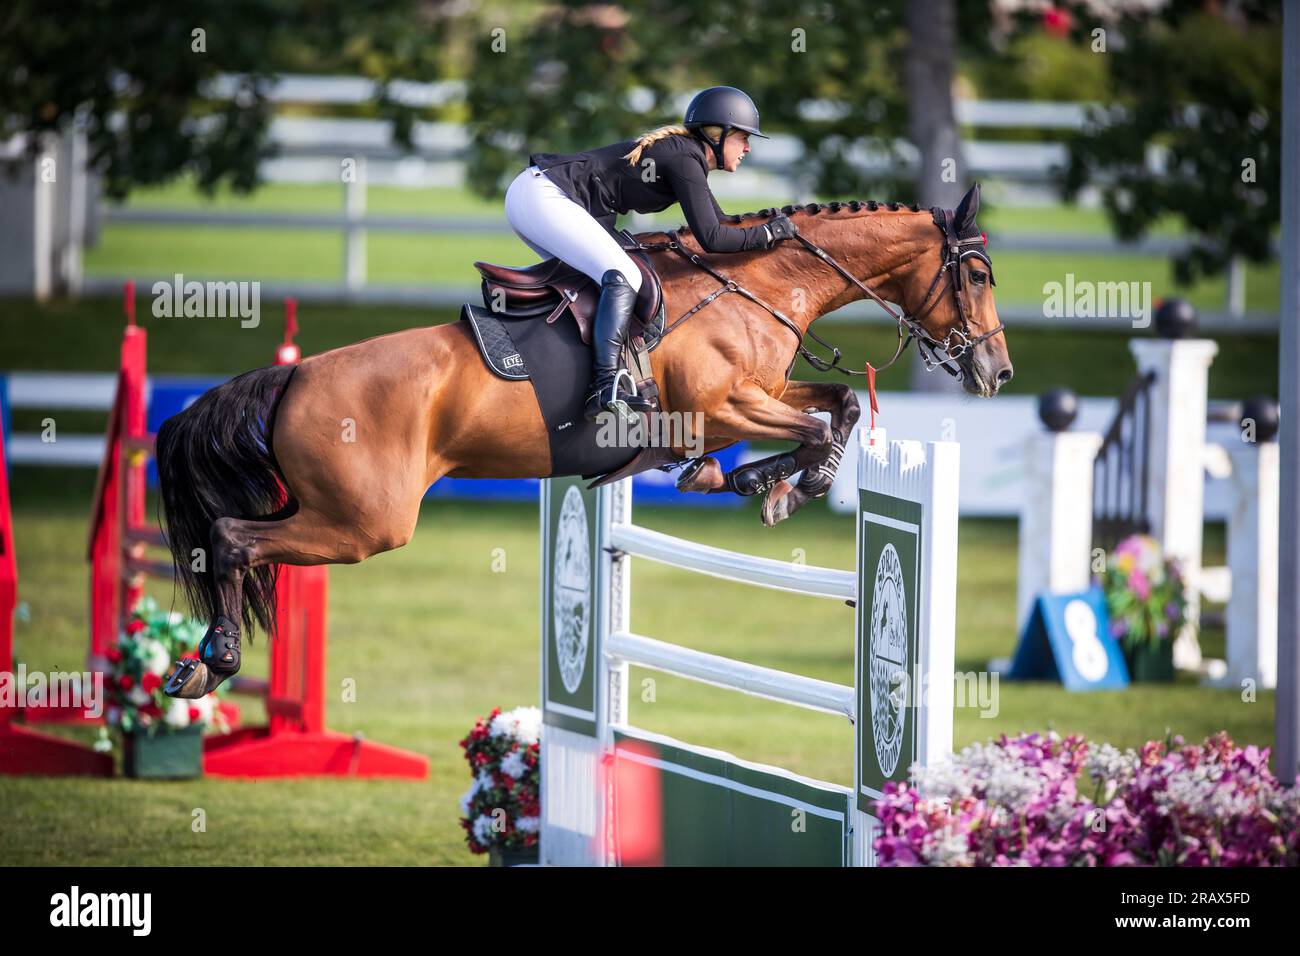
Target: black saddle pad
[554, 358]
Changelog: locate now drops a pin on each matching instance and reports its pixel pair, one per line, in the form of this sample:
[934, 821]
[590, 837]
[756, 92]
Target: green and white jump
[599, 774]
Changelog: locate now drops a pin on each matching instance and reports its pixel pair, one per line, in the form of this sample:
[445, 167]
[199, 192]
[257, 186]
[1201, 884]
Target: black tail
[215, 461]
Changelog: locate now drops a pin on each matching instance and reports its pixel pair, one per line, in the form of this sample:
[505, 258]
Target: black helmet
[723, 106]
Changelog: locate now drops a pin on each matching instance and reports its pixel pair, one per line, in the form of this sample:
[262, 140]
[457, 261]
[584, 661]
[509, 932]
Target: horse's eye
[979, 278]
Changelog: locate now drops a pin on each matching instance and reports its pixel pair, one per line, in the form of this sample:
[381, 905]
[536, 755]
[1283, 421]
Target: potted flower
[501, 811]
[1145, 597]
[162, 737]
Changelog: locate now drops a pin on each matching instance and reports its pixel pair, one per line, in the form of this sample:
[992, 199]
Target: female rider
[565, 206]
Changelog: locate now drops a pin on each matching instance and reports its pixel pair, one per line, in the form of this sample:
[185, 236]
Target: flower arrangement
[143, 656]
[1015, 802]
[502, 808]
[1144, 594]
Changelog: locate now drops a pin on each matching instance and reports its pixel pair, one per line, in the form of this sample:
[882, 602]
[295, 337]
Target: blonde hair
[645, 139]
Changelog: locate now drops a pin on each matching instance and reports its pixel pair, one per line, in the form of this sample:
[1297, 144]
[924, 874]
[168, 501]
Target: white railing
[745, 568]
[726, 672]
[904, 624]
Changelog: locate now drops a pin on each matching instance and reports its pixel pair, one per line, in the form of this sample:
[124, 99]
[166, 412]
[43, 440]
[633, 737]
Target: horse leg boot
[219, 650]
[842, 404]
[752, 414]
[757, 477]
[609, 331]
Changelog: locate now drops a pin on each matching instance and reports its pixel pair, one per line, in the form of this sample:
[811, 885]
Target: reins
[909, 327]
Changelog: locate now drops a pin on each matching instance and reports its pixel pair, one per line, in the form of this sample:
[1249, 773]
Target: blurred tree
[138, 74]
[1193, 129]
[1039, 65]
[827, 73]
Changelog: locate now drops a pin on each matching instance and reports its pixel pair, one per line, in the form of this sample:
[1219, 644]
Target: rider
[565, 206]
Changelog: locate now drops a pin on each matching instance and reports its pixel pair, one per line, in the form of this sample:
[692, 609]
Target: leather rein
[956, 344]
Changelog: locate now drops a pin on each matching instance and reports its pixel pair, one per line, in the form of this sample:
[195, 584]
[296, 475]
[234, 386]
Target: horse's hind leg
[240, 546]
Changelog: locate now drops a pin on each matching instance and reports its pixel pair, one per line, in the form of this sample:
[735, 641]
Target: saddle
[553, 287]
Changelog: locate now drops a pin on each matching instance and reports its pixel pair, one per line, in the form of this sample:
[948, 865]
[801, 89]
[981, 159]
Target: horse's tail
[215, 461]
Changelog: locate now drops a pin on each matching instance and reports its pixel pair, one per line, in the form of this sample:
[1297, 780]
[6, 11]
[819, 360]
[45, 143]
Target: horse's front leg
[750, 413]
[840, 401]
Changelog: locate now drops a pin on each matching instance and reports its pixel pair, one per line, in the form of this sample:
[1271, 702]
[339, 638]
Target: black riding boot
[613, 314]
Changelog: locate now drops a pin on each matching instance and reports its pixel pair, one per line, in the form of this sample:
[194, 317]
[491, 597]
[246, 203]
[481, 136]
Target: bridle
[955, 345]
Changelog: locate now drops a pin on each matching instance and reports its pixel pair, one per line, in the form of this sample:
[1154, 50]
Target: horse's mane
[813, 208]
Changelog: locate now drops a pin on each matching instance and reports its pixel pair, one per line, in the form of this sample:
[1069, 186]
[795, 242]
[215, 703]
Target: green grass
[434, 638]
[285, 254]
[457, 201]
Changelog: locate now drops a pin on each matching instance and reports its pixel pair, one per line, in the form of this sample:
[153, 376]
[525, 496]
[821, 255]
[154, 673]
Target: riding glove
[779, 227]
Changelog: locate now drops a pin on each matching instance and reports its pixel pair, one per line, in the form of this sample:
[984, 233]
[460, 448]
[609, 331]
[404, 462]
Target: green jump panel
[716, 810]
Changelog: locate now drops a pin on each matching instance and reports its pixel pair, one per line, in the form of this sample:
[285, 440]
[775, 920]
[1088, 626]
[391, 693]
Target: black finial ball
[1057, 408]
[1264, 412]
[1175, 319]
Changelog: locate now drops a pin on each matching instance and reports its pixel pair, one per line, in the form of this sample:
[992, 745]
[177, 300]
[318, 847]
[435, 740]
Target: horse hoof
[775, 505]
[189, 680]
[703, 474]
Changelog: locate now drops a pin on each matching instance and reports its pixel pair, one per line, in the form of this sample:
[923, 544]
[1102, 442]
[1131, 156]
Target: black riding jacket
[671, 170]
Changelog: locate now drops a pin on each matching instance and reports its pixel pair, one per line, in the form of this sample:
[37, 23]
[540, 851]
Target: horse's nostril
[1004, 375]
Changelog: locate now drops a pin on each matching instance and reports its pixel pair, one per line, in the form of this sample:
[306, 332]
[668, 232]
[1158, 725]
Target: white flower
[512, 764]
[529, 824]
[156, 659]
[178, 714]
[206, 707]
[483, 831]
[139, 696]
[524, 724]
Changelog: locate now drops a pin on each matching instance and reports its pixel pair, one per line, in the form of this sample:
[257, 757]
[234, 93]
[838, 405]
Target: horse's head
[958, 314]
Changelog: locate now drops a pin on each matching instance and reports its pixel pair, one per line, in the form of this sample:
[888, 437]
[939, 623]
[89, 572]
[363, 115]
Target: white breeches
[553, 225]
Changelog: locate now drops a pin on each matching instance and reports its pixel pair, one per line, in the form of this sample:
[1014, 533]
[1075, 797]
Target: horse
[327, 462]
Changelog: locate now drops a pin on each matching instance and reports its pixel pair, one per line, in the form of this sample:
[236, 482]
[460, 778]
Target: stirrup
[608, 397]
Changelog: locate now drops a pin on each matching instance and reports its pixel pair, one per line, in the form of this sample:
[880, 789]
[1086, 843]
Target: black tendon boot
[613, 314]
[218, 660]
[759, 476]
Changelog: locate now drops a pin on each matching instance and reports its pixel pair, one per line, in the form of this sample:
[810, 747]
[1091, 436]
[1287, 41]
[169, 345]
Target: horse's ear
[964, 215]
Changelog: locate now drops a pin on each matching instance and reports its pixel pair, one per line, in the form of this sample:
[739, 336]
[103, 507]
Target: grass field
[434, 638]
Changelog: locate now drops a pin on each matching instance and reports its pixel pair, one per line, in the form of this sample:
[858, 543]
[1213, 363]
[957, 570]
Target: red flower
[135, 626]
[150, 682]
[194, 714]
[114, 654]
[1056, 21]
[125, 682]
[151, 709]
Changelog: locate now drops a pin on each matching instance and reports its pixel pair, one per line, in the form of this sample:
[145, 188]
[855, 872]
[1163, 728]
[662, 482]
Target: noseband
[955, 345]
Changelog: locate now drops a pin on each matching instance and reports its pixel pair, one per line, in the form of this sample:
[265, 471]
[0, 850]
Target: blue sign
[1067, 638]
[167, 397]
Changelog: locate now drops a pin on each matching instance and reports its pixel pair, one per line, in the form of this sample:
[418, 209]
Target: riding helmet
[723, 106]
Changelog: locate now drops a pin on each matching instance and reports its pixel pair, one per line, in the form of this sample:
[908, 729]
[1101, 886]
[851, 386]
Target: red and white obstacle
[294, 741]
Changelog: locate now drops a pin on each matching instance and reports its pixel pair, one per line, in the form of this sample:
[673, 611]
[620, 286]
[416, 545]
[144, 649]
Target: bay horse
[327, 462]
